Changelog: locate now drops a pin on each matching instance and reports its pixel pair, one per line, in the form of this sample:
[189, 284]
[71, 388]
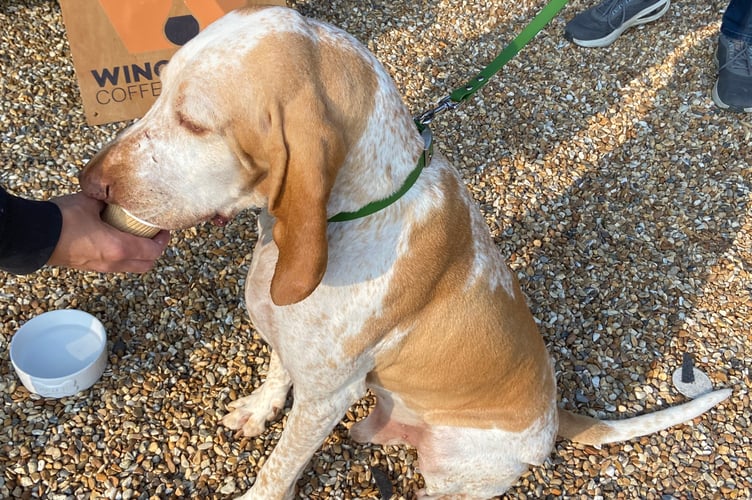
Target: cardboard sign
[119, 48]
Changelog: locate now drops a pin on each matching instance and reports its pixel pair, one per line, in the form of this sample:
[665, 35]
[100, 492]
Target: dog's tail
[586, 430]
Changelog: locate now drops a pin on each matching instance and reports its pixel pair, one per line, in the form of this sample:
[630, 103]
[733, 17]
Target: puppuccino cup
[119, 218]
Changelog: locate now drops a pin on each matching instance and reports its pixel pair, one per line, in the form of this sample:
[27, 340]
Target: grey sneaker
[599, 26]
[733, 89]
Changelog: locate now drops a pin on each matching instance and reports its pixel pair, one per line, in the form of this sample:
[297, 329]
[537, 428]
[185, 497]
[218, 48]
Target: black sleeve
[29, 231]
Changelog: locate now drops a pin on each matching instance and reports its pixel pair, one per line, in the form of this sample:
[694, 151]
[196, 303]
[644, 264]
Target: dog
[373, 268]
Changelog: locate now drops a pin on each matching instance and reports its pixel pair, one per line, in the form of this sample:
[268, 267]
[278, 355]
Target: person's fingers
[123, 252]
[127, 247]
[162, 238]
[86, 242]
[93, 205]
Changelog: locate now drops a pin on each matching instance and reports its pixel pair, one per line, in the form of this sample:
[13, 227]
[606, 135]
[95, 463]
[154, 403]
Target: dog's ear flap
[301, 179]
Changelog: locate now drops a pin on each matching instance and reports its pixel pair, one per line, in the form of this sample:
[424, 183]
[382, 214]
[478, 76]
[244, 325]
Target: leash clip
[444, 104]
[427, 136]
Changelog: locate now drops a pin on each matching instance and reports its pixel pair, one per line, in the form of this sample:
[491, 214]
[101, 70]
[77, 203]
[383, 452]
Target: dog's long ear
[301, 178]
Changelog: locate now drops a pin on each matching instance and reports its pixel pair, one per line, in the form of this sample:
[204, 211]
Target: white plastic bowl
[59, 353]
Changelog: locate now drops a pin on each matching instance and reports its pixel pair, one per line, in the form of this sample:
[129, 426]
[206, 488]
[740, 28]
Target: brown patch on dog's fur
[473, 356]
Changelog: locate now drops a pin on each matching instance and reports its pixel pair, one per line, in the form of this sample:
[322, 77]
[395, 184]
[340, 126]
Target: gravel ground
[619, 193]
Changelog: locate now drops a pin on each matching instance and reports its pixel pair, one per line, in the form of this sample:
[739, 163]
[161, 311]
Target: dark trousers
[737, 20]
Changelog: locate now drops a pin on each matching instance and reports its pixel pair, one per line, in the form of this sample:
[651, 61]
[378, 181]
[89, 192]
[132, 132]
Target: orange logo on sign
[149, 25]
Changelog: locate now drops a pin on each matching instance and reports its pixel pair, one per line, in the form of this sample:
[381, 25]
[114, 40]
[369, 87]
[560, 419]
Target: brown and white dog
[268, 109]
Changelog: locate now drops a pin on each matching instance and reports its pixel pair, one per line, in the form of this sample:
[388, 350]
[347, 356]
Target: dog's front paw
[250, 414]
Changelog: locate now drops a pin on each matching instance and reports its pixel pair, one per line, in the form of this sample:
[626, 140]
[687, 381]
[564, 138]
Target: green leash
[461, 94]
[453, 100]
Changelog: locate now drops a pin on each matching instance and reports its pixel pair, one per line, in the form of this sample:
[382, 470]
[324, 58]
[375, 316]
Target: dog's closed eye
[190, 125]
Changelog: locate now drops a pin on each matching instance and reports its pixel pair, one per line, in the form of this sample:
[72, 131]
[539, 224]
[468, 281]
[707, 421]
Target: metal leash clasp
[427, 136]
[444, 104]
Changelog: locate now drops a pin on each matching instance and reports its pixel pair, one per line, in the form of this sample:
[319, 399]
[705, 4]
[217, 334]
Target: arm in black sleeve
[29, 232]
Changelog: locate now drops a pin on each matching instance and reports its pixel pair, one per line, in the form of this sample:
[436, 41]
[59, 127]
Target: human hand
[88, 243]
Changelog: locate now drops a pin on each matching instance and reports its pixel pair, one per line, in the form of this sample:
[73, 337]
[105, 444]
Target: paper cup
[119, 218]
[59, 353]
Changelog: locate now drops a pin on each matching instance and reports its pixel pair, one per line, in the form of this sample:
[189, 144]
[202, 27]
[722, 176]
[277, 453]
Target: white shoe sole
[718, 102]
[635, 21]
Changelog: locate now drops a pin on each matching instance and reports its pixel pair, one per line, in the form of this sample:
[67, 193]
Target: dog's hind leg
[389, 423]
[251, 413]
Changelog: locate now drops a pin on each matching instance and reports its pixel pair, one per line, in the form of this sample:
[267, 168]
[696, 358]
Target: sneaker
[733, 89]
[599, 26]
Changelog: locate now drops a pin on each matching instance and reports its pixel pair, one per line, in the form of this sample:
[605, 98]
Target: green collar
[375, 206]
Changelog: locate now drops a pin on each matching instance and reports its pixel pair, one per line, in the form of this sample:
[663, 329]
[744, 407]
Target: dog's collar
[375, 206]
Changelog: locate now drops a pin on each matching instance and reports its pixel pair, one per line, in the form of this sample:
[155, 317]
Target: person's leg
[733, 89]
[737, 20]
